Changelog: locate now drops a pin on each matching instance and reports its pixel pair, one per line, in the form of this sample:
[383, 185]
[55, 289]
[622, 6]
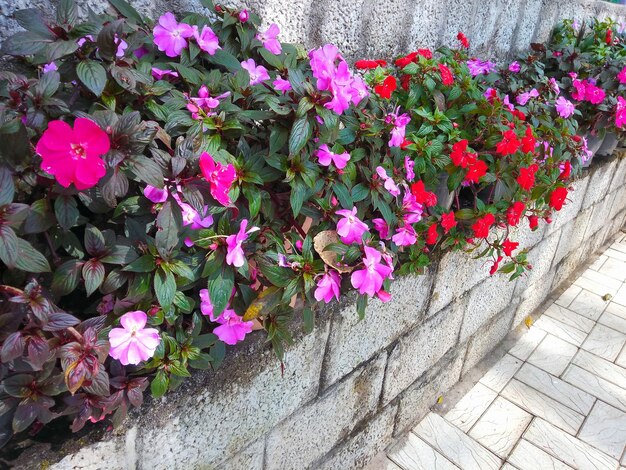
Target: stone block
[484, 301]
[497, 25]
[386, 27]
[341, 24]
[459, 18]
[526, 237]
[359, 449]
[109, 455]
[316, 428]
[242, 401]
[488, 337]
[353, 341]
[601, 215]
[573, 206]
[457, 273]
[533, 298]
[545, 20]
[599, 183]
[568, 265]
[421, 348]
[572, 235]
[619, 178]
[428, 20]
[293, 17]
[619, 203]
[540, 258]
[250, 458]
[526, 25]
[416, 400]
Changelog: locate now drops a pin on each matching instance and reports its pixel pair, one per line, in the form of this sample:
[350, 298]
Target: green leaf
[93, 274]
[29, 259]
[126, 10]
[7, 188]
[177, 368]
[67, 12]
[25, 43]
[159, 384]
[65, 208]
[278, 138]
[147, 170]
[143, 264]
[220, 285]
[164, 288]
[300, 134]
[308, 316]
[93, 76]
[253, 195]
[225, 59]
[32, 20]
[343, 194]
[8, 246]
[66, 277]
[169, 222]
[297, 196]
[59, 49]
[361, 305]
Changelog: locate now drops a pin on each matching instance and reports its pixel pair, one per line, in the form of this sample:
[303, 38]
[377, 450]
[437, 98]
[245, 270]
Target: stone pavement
[555, 400]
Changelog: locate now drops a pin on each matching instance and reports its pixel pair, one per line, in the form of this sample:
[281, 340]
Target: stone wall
[351, 386]
[382, 29]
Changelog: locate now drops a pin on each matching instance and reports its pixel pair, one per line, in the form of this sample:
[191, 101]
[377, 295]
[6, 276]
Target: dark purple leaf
[24, 416]
[13, 347]
[38, 352]
[99, 384]
[93, 273]
[18, 385]
[60, 321]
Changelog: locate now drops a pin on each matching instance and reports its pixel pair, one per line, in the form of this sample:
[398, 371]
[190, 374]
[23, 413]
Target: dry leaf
[528, 321]
[266, 301]
[607, 297]
[440, 400]
[321, 241]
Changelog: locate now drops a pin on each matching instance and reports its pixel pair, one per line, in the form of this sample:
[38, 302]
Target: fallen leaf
[528, 321]
[321, 241]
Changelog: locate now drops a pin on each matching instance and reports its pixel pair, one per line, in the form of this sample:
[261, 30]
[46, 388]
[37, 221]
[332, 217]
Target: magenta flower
[243, 16]
[207, 40]
[232, 328]
[585, 153]
[328, 287]
[411, 209]
[133, 343]
[323, 65]
[507, 103]
[564, 107]
[580, 89]
[204, 102]
[50, 67]
[381, 226]
[268, 38]
[370, 280]
[399, 129]
[258, 74]
[554, 86]
[524, 97]
[404, 236]
[206, 307]
[594, 94]
[160, 74]
[156, 195]
[221, 177]
[620, 112]
[170, 36]
[408, 168]
[73, 155]
[81, 42]
[621, 76]
[325, 157]
[281, 84]
[121, 47]
[479, 67]
[390, 184]
[514, 67]
[234, 252]
[350, 229]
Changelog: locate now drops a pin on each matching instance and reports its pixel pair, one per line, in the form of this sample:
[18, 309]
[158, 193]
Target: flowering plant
[169, 188]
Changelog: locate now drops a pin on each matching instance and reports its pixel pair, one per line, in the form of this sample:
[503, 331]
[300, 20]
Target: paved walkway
[556, 400]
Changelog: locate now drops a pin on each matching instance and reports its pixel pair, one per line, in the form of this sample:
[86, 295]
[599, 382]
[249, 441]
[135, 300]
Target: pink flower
[370, 280]
[243, 16]
[399, 130]
[564, 107]
[328, 287]
[207, 40]
[594, 94]
[404, 236]
[160, 74]
[281, 85]
[206, 307]
[81, 41]
[234, 252]
[411, 209]
[524, 97]
[121, 47]
[232, 328]
[390, 184]
[620, 112]
[268, 38]
[621, 76]
[170, 36]
[205, 102]
[554, 86]
[580, 89]
[479, 67]
[73, 155]
[325, 157]
[221, 177]
[156, 195]
[381, 226]
[133, 343]
[514, 67]
[51, 67]
[258, 74]
[350, 229]
[408, 168]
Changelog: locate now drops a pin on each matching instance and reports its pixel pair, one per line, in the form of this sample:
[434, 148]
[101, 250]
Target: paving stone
[605, 429]
[501, 426]
[568, 296]
[467, 411]
[604, 342]
[601, 367]
[539, 404]
[614, 268]
[498, 376]
[455, 445]
[613, 321]
[412, 453]
[561, 330]
[534, 297]
[574, 452]
[597, 386]
[553, 355]
[528, 342]
[615, 254]
[620, 296]
[597, 264]
[527, 456]
[598, 283]
[588, 304]
[570, 318]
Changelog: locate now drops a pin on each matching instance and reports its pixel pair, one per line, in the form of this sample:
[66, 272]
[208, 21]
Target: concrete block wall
[352, 386]
[370, 29]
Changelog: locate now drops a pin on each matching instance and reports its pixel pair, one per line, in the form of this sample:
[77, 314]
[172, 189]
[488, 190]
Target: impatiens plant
[167, 188]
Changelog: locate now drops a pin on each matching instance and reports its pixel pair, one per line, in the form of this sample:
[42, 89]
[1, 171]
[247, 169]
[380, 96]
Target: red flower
[366, 64]
[405, 80]
[382, 63]
[446, 76]
[482, 225]
[495, 266]
[461, 37]
[422, 196]
[528, 141]
[515, 212]
[566, 170]
[405, 144]
[609, 36]
[476, 170]
[557, 198]
[459, 155]
[526, 178]
[385, 89]
[509, 143]
[448, 221]
[431, 235]
[508, 246]
[520, 115]
[406, 60]
[533, 221]
[426, 53]
[73, 155]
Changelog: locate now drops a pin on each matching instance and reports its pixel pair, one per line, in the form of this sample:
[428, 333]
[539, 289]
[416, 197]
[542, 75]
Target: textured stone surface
[570, 210]
[527, 22]
[598, 183]
[427, 22]
[572, 235]
[327, 420]
[353, 342]
[533, 297]
[250, 458]
[421, 348]
[540, 258]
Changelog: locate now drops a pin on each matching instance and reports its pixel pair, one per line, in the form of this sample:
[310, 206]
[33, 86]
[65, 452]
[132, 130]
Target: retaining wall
[350, 386]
